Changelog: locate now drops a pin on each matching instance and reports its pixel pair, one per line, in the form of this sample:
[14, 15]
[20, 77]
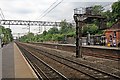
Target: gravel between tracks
[99, 61]
[68, 72]
[86, 58]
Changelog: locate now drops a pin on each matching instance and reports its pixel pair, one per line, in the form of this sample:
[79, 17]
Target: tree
[116, 10]
[53, 30]
[45, 33]
[7, 34]
[65, 27]
[10, 37]
[91, 28]
[53, 34]
[27, 38]
[97, 9]
[108, 15]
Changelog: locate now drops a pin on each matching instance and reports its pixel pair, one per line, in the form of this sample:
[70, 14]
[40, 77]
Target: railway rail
[42, 69]
[66, 72]
[112, 53]
[94, 73]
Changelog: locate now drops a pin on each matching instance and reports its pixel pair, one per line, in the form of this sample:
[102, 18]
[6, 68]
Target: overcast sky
[33, 9]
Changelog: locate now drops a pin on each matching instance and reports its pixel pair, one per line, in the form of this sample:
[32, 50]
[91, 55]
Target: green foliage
[111, 16]
[116, 10]
[71, 34]
[55, 34]
[27, 38]
[89, 28]
[97, 10]
[44, 33]
[57, 37]
[65, 27]
[7, 34]
[108, 15]
[109, 24]
[53, 30]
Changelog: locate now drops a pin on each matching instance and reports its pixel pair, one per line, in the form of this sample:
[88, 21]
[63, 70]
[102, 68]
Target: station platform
[14, 65]
[0, 63]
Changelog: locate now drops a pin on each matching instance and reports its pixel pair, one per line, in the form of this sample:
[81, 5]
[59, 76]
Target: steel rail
[62, 76]
[96, 69]
[63, 63]
[115, 76]
[39, 75]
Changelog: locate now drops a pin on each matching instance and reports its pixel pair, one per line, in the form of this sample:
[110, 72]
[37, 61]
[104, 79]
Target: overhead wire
[2, 15]
[108, 5]
[48, 9]
[51, 9]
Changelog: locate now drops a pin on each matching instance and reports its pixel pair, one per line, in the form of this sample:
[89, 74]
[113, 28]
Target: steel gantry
[29, 23]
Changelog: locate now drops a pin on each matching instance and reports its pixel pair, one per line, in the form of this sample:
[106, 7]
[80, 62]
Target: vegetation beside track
[66, 30]
[6, 35]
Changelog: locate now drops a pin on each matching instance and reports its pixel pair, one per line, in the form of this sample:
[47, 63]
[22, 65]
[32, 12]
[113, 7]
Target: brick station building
[113, 35]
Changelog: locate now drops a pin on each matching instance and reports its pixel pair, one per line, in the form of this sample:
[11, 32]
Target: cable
[107, 5]
[51, 9]
[2, 15]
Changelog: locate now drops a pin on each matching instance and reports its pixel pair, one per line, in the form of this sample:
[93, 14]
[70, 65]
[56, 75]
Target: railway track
[106, 56]
[115, 57]
[42, 69]
[89, 71]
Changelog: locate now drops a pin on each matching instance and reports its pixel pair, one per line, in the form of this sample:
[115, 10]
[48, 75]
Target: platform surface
[0, 63]
[14, 64]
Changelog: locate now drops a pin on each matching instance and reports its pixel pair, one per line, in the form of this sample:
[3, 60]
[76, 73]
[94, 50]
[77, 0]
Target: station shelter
[113, 35]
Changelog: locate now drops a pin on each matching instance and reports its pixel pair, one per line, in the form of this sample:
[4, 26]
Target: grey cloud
[23, 11]
[66, 10]
[89, 0]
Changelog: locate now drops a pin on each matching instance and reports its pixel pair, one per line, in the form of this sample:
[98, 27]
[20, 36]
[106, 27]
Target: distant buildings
[113, 35]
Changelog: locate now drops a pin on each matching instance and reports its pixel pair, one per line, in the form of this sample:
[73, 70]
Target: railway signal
[79, 22]
[82, 16]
